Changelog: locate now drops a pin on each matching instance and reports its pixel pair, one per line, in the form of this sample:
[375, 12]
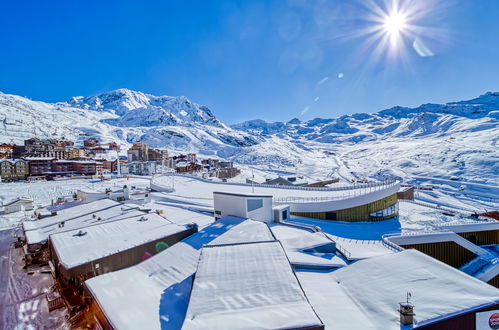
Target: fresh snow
[436, 140]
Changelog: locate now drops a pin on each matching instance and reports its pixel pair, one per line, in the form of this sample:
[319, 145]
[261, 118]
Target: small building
[138, 152]
[139, 168]
[406, 193]
[187, 167]
[83, 253]
[13, 170]
[124, 195]
[225, 164]
[18, 204]
[37, 232]
[5, 150]
[226, 173]
[256, 207]
[91, 142]
[279, 181]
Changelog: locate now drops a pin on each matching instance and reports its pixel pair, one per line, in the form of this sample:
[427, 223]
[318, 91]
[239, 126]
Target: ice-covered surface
[247, 286]
[366, 293]
[155, 293]
[104, 210]
[105, 239]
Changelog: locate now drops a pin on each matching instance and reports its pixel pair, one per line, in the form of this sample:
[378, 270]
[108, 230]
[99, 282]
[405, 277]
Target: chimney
[406, 310]
[126, 192]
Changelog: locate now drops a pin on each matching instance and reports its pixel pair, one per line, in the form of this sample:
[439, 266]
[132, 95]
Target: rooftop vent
[142, 219]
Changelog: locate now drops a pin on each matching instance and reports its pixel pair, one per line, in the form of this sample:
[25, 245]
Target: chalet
[18, 204]
[91, 142]
[12, 170]
[186, 167]
[5, 150]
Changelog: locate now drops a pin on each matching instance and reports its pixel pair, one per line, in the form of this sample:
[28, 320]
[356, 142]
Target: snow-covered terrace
[247, 286]
[109, 238]
[196, 190]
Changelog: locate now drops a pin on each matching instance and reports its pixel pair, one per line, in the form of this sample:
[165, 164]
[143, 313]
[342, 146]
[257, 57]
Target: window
[390, 210]
[284, 214]
[254, 204]
[330, 215]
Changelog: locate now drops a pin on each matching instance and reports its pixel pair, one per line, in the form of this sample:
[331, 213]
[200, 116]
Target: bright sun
[394, 23]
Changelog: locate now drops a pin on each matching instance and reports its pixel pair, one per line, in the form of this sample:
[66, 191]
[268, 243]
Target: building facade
[12, 170]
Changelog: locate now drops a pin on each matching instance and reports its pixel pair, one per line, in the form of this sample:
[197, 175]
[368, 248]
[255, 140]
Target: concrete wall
[237, 205]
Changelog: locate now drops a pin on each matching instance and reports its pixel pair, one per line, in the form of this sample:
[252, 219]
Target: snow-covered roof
[12, 161]
[154, 294]
[247, 286]
[179, 214]
[298, 242]
[470, 227]
[109, 238]
[77, 217]
[39, 158]
[300, 199]
[366, 293]
[20, 199]
[63, 206]
[75, 161]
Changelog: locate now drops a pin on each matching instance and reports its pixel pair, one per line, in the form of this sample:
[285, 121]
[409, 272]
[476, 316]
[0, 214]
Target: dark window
[254, 204]
[330, 215]
[284, 215]
[218, 212]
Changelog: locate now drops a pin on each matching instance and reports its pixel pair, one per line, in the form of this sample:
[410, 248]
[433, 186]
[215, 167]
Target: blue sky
[273, 60]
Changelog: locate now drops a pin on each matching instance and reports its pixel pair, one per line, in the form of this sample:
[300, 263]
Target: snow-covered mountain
[453, 139]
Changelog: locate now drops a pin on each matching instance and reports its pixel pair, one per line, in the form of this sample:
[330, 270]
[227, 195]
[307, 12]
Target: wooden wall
[120, 260]
[355, 214]
[482, 237]
[494, 281]
[450, 253]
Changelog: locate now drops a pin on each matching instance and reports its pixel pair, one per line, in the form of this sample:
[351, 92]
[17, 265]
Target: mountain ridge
[464, 135]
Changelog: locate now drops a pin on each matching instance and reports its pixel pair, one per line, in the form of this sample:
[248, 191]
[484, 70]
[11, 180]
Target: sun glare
[394, 27]
[394, 23]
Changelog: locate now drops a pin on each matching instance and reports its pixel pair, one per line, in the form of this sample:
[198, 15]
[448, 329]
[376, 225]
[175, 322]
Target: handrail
[389, 244]
[318, 229]
[262, 185]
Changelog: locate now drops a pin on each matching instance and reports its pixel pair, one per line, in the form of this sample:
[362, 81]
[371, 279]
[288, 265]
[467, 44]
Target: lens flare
[396, 29]
[394, 23]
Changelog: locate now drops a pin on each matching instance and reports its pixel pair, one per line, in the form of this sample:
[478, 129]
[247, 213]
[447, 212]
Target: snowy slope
[122, 115]
[453, 139]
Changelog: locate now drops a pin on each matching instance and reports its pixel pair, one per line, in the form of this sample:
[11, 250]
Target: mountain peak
[139, 109]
